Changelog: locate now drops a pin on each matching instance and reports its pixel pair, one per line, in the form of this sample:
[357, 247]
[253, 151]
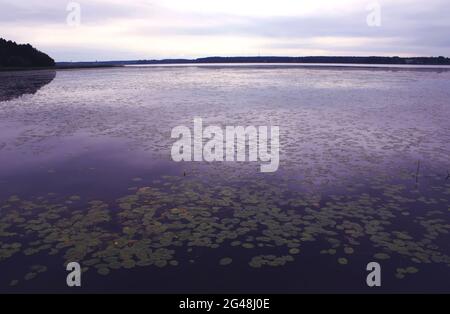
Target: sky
[98, 30]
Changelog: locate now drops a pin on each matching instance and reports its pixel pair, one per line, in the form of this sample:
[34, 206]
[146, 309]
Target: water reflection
[86, 175]
[16, 84]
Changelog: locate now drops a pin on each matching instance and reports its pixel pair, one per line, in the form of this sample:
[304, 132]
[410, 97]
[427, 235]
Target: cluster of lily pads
[159, 223]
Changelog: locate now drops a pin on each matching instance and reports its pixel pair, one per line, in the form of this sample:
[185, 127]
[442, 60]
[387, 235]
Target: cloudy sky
[147, 29]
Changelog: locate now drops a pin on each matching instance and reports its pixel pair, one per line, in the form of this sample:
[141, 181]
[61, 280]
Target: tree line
[17, 55]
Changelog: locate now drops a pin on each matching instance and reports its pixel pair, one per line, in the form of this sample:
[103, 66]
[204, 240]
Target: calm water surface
[86, 175]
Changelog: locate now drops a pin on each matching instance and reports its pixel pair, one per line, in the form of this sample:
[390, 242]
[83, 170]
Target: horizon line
[175, 59]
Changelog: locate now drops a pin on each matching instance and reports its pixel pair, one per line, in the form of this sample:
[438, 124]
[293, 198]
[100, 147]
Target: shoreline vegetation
[19, 57]
[435, 61]
[22, 56]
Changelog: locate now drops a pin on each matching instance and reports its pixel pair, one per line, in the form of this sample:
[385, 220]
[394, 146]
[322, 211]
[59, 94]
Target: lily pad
[225, 261]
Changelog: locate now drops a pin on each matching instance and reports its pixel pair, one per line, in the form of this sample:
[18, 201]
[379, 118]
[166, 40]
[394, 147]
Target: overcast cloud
[146, 29]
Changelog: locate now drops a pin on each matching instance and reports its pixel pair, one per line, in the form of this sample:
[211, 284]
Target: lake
[86, 176]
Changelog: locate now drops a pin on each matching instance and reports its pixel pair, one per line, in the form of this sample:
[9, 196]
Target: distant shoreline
[273, 60]
[347, 62]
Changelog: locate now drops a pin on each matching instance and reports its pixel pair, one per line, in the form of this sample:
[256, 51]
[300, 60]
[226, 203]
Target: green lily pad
[14, 283]
[225, 261]
[103, 271]
[382, 256]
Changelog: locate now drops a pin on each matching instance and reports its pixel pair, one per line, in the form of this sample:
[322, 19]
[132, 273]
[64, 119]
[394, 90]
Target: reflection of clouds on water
[16, 84]
[333, 122]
